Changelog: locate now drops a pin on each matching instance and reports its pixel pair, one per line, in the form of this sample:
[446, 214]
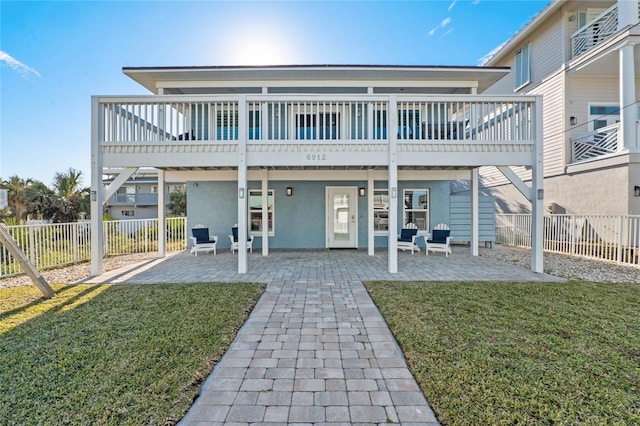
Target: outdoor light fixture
[573, 120]
[362, 192]
[240, 192]
[289, 191]
[195, 185]
[636, 191]
[94, 195]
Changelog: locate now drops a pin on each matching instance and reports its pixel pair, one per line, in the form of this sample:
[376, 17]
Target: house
[137, 197]
[583, 57]
[317, 156]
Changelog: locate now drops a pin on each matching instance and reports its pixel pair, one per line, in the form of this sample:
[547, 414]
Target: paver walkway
[315, 349]
[312, 352]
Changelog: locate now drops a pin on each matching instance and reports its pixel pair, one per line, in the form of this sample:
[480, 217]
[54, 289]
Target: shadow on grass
[42, 300]
[117, 354]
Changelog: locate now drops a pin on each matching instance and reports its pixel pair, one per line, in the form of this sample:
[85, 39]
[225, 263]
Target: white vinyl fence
[608, 237]
[57, 244]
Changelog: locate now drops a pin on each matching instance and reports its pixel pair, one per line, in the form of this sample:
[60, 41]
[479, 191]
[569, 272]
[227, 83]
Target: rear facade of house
[315, 157]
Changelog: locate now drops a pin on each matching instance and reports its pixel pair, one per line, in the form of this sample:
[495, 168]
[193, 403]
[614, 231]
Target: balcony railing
[189, 120]
[595, 32]
[138, 199]
[595, 144]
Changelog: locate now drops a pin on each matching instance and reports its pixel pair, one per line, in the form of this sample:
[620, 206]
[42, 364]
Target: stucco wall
[596, 192]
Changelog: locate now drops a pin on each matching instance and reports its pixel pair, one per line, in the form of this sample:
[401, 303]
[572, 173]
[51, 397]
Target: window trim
[382, 191]
[518, 68]
[591, 118]
[405, 210]
[270, 192]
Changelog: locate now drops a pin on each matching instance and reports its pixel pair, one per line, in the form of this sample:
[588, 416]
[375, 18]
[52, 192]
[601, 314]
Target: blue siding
[300, 219]
[461, 218]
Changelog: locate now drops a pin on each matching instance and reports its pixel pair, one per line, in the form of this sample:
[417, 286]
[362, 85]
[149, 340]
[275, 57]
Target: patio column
[628, 114]
[162, 217]
[370, 227]
[97, 194]
[265, 212]
[537, 194]
[242, 185]
[475, 177]
[393, 185]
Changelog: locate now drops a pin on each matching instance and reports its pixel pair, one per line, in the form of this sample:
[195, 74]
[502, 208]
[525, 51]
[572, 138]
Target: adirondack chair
[407, 238]
[202, 241]
[234, 240]
[440, 240]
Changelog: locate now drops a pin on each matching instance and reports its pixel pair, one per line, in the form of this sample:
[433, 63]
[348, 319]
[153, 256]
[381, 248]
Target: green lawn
[113, 354]
[520, 353]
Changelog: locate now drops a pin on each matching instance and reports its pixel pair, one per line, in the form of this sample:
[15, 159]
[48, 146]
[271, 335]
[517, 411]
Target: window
[603, 115]
[522, 67]
[408, 124]
[254, 125]
[255, 211]
[227, 124]
[127, 213]
[380, 210]
[317, 126]
[416, 208]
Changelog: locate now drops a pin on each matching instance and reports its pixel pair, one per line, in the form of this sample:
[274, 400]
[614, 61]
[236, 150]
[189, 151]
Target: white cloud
[449, 31]
[18, 66]
[444, 23]
[485, 58]
[453, 3]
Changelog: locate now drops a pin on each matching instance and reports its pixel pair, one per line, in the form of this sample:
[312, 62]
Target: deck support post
[162, 216]
[265, 212]
[370, 228]
[393, 186]
[537, 194]
[242, 185]
[97, 193]
[475, 177]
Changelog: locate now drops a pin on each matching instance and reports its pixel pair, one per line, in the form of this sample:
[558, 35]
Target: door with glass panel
[342, 216]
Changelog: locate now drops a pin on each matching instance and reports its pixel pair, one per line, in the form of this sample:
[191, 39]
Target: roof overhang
[154, 78]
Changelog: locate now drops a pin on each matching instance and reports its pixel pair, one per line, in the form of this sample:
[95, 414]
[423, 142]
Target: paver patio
[315, 349]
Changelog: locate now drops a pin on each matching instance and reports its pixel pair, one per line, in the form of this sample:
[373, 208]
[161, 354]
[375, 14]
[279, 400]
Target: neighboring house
[583, 57]
[318, 156]
[137, 197]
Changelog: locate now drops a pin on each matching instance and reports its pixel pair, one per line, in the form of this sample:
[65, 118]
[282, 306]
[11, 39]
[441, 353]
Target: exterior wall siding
[460, 207]
[300, 221]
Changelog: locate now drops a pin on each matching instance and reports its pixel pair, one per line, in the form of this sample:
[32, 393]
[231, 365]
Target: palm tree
[72, 199]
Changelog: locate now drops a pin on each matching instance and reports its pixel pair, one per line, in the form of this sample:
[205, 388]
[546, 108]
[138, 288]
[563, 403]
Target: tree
[178, 202]
[72, 199]
[18, 201]
[42, 201]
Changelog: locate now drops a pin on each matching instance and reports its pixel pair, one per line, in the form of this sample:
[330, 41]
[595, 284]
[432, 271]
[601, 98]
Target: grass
[520, 353]
[113, 354]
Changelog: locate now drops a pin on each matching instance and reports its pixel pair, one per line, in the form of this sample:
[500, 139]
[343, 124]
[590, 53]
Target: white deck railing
[595, 144]
[595, 32]
[609, 237]
[172, 119]
[60, 244]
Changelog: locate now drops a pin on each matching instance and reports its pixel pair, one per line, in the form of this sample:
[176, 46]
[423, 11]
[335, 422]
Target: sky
[54, 55]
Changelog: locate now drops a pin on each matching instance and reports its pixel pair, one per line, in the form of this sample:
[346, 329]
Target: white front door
[342, 216]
